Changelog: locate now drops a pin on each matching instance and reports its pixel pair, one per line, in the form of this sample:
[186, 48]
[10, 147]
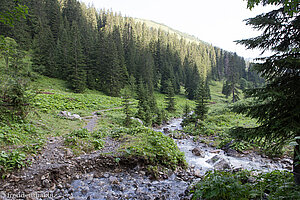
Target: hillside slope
[163, 27]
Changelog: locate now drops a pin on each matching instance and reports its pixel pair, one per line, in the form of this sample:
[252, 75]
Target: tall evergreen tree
[170, 97]
[144, 109]
[63, 52]
[76, 75]
[54, 17]
[126, 95]
[276, 105]
[186, 110]
[44, 51]
[201, 102]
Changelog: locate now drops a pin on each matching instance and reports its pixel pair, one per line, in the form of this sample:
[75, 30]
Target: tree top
[290, 6]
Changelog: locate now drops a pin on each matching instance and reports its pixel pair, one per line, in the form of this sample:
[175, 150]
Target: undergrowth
[218, 123]
[246, 185]
[154, 147]
[83, 141]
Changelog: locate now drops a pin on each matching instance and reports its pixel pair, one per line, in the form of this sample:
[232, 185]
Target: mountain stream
[134, 184]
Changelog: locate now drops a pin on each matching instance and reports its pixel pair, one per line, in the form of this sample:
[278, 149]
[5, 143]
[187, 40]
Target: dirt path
[92, 120]
[57, 164]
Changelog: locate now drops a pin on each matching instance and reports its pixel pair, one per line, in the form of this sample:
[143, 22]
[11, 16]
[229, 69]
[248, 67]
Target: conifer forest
[142, 111]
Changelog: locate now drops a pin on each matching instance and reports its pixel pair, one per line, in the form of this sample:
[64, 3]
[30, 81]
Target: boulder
[232, 152]
[166, 130]
[197, 173]
[198, 152]
[75, 116]
[69, 115]
[214, 159]
[222, 165]
[217, 151]
[219, 163]
[138, 120]
[113, 180]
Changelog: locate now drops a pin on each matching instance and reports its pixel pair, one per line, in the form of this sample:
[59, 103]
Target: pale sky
[218, 22]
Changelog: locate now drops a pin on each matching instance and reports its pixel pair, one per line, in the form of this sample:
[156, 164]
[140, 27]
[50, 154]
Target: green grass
[50, 96]
[82, 141]
[180, 100]
[154, 147]
[246, 185]
[220, 120]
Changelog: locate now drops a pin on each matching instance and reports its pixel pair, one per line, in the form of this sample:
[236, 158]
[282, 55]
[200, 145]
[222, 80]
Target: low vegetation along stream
[134, 184]
[96, 157]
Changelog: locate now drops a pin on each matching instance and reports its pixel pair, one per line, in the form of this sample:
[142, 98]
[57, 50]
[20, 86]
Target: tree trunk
[296, 164]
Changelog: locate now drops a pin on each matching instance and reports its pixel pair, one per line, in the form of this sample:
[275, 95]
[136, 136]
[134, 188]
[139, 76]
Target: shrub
[81, 133]
[154, 147]
[10, 161]
[81, 140]
[245, 185]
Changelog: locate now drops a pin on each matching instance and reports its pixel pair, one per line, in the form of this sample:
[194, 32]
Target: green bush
[244, 185]
[154, 147]
[98, 144]
[101, 133]
[81, 133]
[82, 140]
[10, 161]
[17, 133]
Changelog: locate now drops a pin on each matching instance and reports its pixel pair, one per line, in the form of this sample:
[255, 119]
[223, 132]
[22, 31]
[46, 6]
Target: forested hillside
[99, 105]
[104, 51]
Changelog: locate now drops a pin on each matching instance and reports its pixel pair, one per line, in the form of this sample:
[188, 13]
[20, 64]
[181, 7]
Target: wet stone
[232, 152]
[133, 186]
[198, 152]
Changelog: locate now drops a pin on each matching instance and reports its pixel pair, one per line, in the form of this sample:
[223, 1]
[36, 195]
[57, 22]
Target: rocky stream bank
[58, 174]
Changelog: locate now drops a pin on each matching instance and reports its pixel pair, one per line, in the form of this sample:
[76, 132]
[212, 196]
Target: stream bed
[134, 184]
[210, 156]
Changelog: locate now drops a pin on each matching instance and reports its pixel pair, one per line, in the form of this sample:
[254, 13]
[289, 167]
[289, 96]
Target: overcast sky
[218, 22]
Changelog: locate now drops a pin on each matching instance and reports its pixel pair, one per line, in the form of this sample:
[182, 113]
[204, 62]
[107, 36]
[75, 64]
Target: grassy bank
[49, 97]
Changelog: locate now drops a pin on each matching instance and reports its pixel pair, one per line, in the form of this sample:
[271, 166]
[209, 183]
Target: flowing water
[134, 184]
[246, 161]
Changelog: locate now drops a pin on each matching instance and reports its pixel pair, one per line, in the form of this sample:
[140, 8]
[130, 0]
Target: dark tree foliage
[276, 105]
[14, 82]
[201, 102]
[170, 97]
[44, 52]
[111, 48]
[126, 95]
[147, 107]
[77, 74]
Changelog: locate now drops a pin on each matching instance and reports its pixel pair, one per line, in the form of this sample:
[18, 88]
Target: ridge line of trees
[101, 50]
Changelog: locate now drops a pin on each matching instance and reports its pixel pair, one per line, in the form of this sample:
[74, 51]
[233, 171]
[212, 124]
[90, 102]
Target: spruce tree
[76, 75]
[144, 111]
[226, 89]
[207, 89]
[186, 110]
[170, 97]
[43, 51]
[276, 105]
[63, 49]
[147, 107]
[126, 95]
[201, 102]
[13, 85]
